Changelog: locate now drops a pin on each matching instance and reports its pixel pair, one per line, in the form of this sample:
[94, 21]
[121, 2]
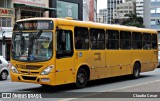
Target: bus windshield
[32, 46]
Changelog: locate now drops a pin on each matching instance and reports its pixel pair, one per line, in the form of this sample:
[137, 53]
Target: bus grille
[31, 67]
[29, 78]
[26, 72]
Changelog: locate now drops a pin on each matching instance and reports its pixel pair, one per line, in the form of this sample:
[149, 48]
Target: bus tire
[82, 78]
[136, 71]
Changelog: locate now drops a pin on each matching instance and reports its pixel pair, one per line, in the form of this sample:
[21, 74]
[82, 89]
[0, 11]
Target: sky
[101, 4]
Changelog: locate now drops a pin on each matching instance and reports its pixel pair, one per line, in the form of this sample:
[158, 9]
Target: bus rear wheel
[136, 71]
[82, 78]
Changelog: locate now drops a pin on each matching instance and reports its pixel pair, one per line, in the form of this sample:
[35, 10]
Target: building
[102, 16]
[139, 8]
[92, 10]
[129, 6]
[66, 8]
[85, 10]
[6, 22]
[30, 8]
[6, 13]
[152, 14]
[111, 5]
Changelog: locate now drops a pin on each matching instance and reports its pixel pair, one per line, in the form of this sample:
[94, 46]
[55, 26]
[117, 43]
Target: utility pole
[3, 45]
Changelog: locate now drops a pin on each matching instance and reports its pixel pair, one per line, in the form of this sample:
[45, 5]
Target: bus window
[154, 41]
[125, 40]
[64, 44]
[136, 40]
[146, 41]
[81, 38]
[97, 38]
[113, 39]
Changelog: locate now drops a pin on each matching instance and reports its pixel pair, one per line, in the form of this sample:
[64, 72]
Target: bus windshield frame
[34, 44]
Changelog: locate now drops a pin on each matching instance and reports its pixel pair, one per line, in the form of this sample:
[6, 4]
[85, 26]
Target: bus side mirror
[17, 27]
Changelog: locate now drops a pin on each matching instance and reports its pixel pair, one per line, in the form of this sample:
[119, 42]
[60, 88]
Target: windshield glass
[32, 46]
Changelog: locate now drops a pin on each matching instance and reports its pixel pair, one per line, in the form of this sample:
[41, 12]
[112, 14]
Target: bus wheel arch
[136, 70]
[83, 76]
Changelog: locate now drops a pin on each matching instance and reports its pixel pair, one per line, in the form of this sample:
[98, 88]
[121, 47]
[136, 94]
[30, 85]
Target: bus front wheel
[82, 78]
[136, 71]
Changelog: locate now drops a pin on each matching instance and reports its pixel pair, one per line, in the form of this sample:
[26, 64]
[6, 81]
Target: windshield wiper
[39, 33]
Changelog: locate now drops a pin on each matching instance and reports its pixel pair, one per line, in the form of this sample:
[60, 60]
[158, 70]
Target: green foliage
[133, 20]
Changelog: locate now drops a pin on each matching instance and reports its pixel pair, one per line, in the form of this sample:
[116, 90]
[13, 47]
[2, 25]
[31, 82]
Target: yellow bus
[56, 51]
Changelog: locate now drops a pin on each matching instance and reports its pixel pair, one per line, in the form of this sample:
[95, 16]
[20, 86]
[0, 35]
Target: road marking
[68, 99]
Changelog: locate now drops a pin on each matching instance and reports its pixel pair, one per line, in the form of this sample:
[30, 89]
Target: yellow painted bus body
[100, 63]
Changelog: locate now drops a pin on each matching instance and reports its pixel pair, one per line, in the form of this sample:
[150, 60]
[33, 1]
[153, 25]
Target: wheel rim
[81, 78]
[4, 75]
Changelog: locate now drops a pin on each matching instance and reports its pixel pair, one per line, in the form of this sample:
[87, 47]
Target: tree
[133, 20]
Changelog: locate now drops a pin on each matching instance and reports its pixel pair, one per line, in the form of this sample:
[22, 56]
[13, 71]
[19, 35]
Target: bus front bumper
[37, 79]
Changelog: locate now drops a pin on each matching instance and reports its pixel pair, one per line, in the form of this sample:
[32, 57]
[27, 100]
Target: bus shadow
[113, 80]
[68, 87]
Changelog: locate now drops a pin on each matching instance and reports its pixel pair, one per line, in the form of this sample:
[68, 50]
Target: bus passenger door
[98, 53]
[64, 56]
[98, 66]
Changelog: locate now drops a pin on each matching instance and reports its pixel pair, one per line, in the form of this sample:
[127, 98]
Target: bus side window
[125, 40]
[154, 41]
[64, 44]
[97, 38]
[81, 38]
[136, 40]
[147, 41]
[113, 39]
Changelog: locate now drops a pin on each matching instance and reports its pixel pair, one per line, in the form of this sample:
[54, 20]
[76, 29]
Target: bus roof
[65, 21]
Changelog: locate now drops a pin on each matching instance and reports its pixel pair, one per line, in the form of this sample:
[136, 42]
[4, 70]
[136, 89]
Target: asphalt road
[116, 84]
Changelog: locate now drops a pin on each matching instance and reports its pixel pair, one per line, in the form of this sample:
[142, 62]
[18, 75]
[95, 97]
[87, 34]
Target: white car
[4, 68]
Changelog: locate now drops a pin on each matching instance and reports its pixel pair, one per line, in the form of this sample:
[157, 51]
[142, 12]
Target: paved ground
[148, 82]
[146, 92]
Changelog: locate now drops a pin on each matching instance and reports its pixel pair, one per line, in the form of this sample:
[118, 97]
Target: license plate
[45, 80]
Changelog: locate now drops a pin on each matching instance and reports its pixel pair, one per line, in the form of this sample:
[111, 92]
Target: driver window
[0, 62]
[64, 44]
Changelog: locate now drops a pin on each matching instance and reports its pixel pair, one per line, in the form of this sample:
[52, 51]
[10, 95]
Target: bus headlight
[14, 70]
[47, 70]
